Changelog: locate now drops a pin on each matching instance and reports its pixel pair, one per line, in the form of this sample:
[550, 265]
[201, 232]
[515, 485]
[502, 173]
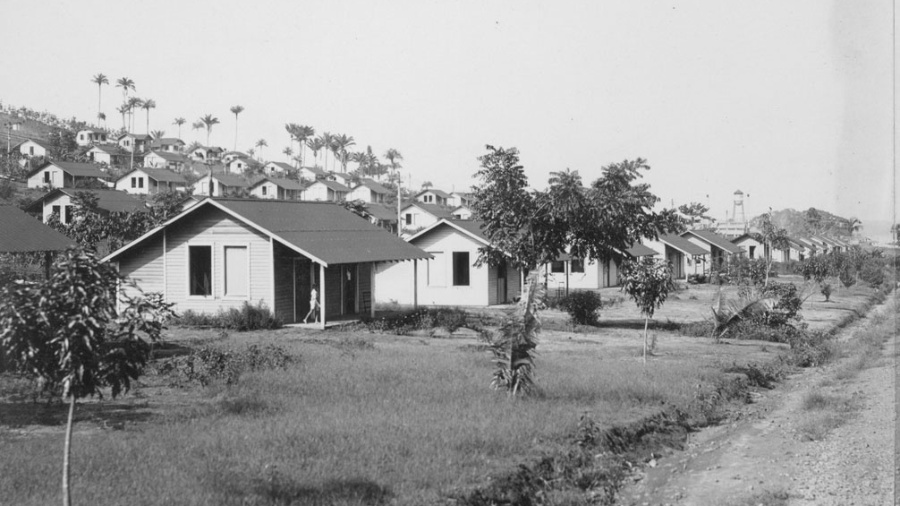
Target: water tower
[738, 203]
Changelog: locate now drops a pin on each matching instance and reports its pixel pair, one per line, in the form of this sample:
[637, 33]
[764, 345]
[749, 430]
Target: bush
[872, 272]
[826, 291]
[248, 317]
[403, 323]
[583, 307]
[210, 364]
[697, 279]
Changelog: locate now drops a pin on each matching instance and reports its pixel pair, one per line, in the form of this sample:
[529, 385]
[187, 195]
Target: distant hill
[795, 222]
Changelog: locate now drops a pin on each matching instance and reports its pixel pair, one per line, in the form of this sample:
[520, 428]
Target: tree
[100, 80]
[123, 110]
[772, 238]
[126, 84]
[648, 282]
[237, 109]
[695, 213]
[67, 332]
[158, 134]
[208, 121]
[179, 122]
[288, 152]
[394, 158]
[426, 185]
[853, 226]
[315, 144]
[261, 144]
[133, 103]
[304, 133]
[343, 142]
[514, 350]
[813, 221]
[147, 105]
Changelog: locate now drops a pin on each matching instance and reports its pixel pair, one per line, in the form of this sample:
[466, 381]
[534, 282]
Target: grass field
[361, 418]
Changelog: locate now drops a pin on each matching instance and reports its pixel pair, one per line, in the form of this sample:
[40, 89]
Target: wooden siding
[145, 266]
[284, 284]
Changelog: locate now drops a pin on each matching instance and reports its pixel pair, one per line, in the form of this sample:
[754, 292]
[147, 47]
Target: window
[437, 269]
[68, 214]
[200, 269]
[47, 176]
[55, 210]
[752, 252]
[558, 266]
[31, 150]
[460, 268]
[264, 190]
[236, 282]
[409, 218]
[577, 265]
[134, 182]
[140, 182]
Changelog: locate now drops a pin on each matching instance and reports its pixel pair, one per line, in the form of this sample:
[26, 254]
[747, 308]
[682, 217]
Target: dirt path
[764, 458]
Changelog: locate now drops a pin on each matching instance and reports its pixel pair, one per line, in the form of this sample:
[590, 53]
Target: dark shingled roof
[42, 143]
[334, 185]
[73, 169]
[639, 250]
[231, 180]
[435, 210]
[382, 212]
[113, 201]
[20, 233]
[715, 239]
[281, 165]
[682, 245]
[440, 193]
[372, 185]
[163, 175]
[170, 157]
[287, 184]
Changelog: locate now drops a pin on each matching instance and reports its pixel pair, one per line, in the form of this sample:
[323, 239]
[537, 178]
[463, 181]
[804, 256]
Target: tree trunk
[646, 324]
[67, 451]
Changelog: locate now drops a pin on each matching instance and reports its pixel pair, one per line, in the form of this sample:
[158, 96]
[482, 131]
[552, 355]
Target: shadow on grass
[110, 414]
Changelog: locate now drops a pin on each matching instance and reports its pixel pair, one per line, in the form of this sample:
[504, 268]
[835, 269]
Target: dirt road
[766, 455]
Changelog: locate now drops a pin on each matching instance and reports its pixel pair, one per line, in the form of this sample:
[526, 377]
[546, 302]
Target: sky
[790, 102]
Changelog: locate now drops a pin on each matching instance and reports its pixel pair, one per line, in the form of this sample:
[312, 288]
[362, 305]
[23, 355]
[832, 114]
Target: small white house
[462, 213]
[60, 202]
[312, 173]
[416, 216]
[240, 165]
[277, 188]
[109, 154]
[571, 273]
[369, 191]
[134, 143]
[433, 196]
[165, 160]
[685, 257]
[460, 199]
[32, 148]
[341, 177]
[167, 145]
[150, 181]
[277, 169]
[64, 175]
[90, 136]
[451, 277]
[751, 247]
[205, 153]
[718, 248]
[325, 190]
[223, 185]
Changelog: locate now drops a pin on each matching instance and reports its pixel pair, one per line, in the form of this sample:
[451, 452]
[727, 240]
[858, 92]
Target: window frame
[212, 270]
[576, 261]
[457, 281]
[225, 246]
[558, 267]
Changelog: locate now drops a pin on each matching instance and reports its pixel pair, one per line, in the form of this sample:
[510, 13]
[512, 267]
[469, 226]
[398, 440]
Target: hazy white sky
[789, 101]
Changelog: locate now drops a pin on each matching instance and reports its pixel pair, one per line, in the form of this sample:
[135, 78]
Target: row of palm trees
[129, 104]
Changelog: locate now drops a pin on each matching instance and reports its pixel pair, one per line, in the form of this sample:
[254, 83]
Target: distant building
[64, 175]
[91, 136]
[223, 185]
[32, 148]
[167, 145]
[134, 143]
[325, 190]
[150, 181]
[433, 196]
[277, 188]
[60, 202]
[369, 191]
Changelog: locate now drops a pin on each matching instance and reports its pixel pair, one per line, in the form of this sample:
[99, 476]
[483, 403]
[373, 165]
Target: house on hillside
[277, 169]
[340, 177]
[240, 165]
[91, 136]
[382, 215]
[572, 273]
[460, 199]
[205, 153]
[685, 257]
[415, 216]
[433, 196]
[451, 277]
[65, 175]
[718, 248]
[228, 156]
[223, 185]
[810, 248]
[325, 190]
[110, 154]
[33, 147]
[277, 188]
[312, 173]
[165, 160]
[134, 143]
[462, 213]
[369, 191]
[223, 253]
[149, 181]
[167, 145]
[60, 202]
[21, 233]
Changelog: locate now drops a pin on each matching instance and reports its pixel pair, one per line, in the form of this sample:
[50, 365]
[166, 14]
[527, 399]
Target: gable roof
[166, 141]
[281, 182]
[439, 193]
[382, 212]
[229, 179]
[334, 185]
[639, 250]
[682, 244]
[315, 170]
[470, 228]
[323, 231]
[281, 165]
[73, 169]
[432, 209]
[162, 175]
[42, 143]
[806, 243]
[92, 130]
[21, 233]
[715, 239]
[372, 185]
[113, 201]
[342, 175]
[113, 149]
[139, 137]
[169, 157]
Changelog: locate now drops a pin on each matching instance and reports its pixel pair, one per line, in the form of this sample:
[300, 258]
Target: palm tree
[179, 122]
[261, 144]
[315, 144]
[126, 84]
[362, 159]
[133, 103]
[123, 110]
[293, 129]
[158, 134]
[304, 133]
[208, 121]
[100, 80]
[288, 152]
[326, 139]
[853, 226]
[147, 105]
[343, 142]
[394, 158]
[237, 109]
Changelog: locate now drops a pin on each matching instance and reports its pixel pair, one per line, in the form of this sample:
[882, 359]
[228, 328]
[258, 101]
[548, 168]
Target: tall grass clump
[210, 364]
[248, 317]
[405, 322]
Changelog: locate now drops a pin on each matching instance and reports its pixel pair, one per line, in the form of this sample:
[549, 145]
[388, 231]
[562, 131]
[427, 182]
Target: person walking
[313, 304]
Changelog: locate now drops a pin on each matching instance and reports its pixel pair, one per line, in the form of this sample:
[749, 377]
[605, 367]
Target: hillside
[796, 223]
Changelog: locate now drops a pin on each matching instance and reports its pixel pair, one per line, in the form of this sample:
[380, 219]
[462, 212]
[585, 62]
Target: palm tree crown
[126, 84]
[179, 122]
[237, 109]
[209, 121]
[100, 80]
[147, 105]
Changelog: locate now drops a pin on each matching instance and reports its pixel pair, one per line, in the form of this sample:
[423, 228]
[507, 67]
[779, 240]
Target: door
[302, 287]
[502, 285]
[348, 278]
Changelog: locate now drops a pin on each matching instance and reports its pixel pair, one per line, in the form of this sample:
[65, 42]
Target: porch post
[322, 296]
[415, 284]
[372, 289]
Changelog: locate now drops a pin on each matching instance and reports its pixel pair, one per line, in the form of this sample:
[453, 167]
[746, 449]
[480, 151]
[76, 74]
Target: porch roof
[682, 244]
[20, 233]
[715, 239]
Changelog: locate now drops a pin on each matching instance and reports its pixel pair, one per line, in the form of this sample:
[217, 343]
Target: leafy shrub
[872, 273]
[847, 278]
[583, 307]
[403, 323]
[826, 291]
[697, 279]
[787, 308]
[210, 364]
[613, 301]
[810, 349]
[248, 317]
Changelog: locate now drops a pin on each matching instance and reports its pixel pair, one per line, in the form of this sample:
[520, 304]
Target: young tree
[694, 212]
[514, 350]
[67, 332]
[208, 121]
[773, 239]
[648, 282]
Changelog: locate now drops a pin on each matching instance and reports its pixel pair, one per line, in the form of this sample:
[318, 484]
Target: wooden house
[148, 181]
[222, 253]
[277, 169]
[571, 273]
[433, 196]
[718, 248]
[110, 154]
[167, 145]
[223, 185]
[165, 160]
[325, 190]
[685, 257]
[65, 175]
[450, 277]
[60, 201]
[134, 143]
[369, 191]
[751, 246]
[416, 216]
[277, 188]
[91, 136]
[31, 148]
[312, 173]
